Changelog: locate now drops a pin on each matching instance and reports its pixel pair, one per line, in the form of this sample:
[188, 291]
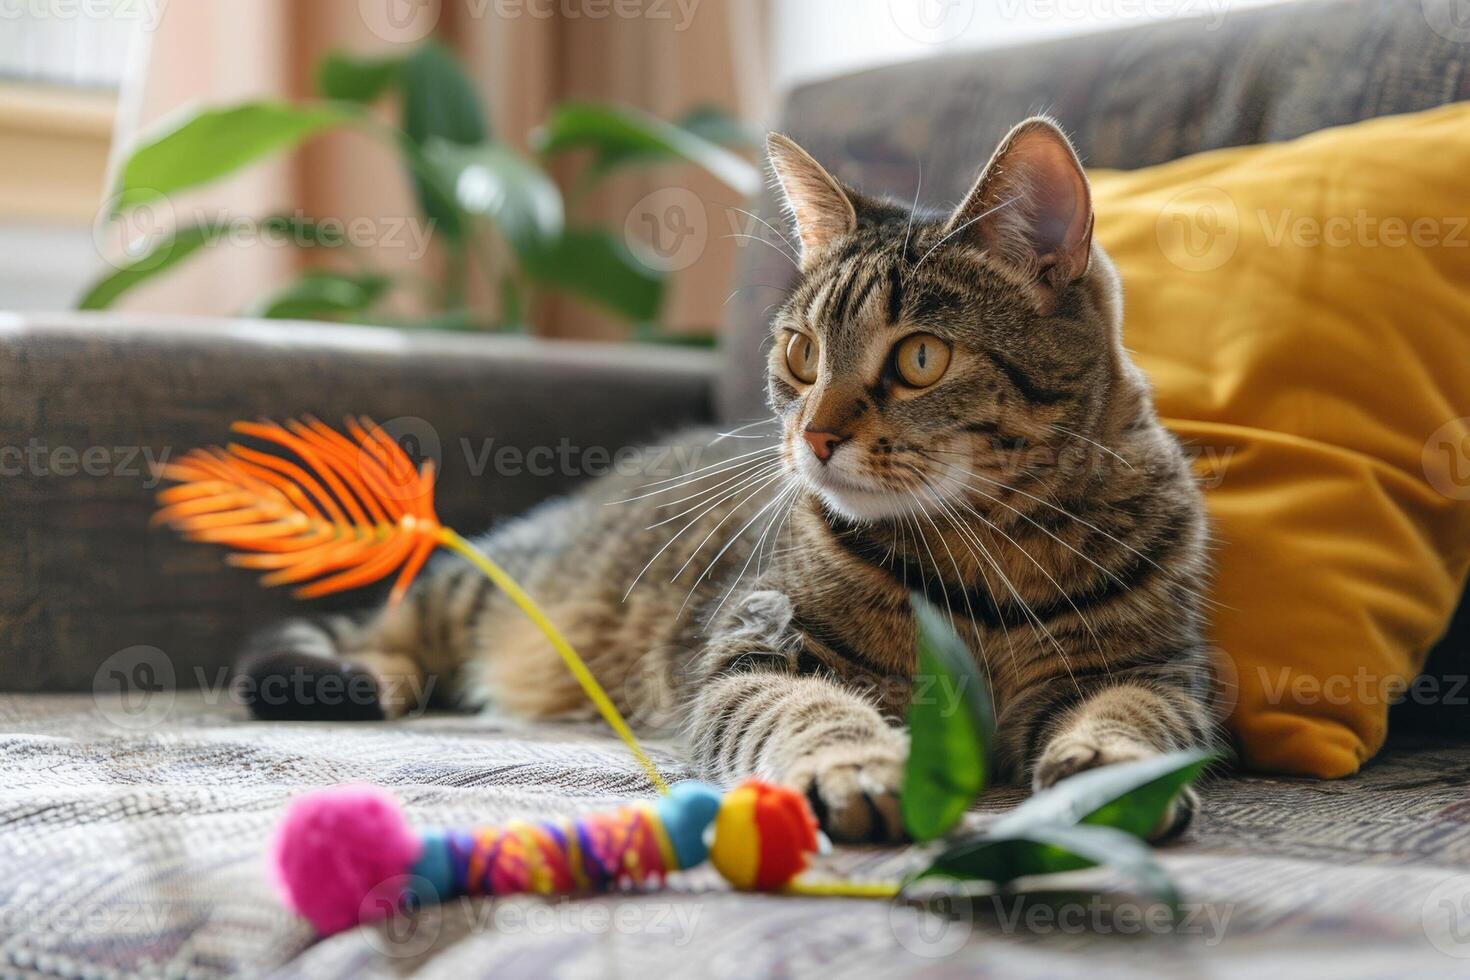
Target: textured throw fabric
[132, 845]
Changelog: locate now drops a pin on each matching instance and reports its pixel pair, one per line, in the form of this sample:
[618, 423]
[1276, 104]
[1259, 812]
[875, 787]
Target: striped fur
[1031, 491]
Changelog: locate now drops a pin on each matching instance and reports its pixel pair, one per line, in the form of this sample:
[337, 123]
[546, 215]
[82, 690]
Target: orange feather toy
[353, 515]
[343, 513]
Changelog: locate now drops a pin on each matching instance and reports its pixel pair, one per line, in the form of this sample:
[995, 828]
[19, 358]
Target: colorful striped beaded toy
[346, 855]
[349, 512]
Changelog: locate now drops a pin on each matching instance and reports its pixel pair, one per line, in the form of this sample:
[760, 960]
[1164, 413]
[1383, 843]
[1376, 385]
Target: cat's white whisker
[728, 544]
[979, 217]
[693, 521]
[1005, 629]
[733, 511]
[914, 208]
[1093, 442]
[961, 579]
[756, 238]
[694, 476]
[759, 468]
[1039, 567]
[1087, 524]
[795, 248]
[790, 506]
[1010, 586]
[735, 432]
[1043, 529]
[789, 492]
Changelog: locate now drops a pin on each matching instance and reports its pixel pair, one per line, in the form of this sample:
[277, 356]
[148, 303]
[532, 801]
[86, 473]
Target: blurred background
[597, 153]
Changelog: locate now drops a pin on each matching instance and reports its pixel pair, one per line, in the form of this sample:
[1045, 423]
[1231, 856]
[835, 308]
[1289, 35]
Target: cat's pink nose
[823, 443]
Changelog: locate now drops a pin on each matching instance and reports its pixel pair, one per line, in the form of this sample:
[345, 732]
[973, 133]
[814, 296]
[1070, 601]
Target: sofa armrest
[90, 401]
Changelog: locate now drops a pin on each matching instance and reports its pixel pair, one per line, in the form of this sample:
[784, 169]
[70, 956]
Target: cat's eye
[801, 357]
[921, 359]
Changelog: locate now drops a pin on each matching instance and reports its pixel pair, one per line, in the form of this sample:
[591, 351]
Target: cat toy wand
[346, 513]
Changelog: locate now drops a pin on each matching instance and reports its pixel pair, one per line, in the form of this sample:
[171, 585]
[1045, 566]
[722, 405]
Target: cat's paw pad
[854, 795]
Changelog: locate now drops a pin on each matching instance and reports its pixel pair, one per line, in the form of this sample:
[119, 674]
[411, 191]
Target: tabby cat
[957, 416]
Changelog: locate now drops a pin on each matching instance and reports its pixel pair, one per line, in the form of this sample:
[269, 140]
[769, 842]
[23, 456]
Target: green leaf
[597, 267]
[439, 99]
[179, 244]
[439, 103]
[321, 295]
[214, 142]
[1052, 849]
[718, 126]
[620, 136]
[950, 724]
[495, 182]
[349, 78]
[1129, 796]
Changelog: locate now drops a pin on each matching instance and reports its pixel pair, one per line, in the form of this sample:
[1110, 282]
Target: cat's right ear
[1031, 209]
[820, 207]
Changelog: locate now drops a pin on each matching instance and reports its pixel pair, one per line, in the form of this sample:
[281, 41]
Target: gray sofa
[137, 799]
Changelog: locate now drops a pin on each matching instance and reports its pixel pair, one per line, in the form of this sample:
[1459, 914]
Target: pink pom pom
[337, 847]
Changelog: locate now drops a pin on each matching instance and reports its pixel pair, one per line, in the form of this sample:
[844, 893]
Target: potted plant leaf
[468, 183]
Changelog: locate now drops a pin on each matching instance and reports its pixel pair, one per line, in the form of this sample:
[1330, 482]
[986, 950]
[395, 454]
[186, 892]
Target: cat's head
[922, 352]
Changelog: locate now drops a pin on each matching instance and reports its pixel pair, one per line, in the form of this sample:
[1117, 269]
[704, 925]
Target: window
[816, 38]
[61, 64]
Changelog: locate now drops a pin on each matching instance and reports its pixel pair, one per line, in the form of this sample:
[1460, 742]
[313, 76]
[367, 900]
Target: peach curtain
[663, 56]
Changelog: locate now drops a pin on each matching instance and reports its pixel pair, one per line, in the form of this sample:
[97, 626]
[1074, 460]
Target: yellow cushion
[1303, 310]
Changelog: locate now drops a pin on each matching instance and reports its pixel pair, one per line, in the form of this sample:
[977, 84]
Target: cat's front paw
[853, 789]
[1069, 755]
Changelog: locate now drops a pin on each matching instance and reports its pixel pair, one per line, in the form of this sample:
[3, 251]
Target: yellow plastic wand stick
[574, 662]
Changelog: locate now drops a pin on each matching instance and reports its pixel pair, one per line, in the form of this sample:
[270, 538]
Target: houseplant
[494, 213]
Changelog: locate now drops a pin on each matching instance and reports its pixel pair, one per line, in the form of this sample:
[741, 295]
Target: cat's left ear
[1031, 208]
[821, 208]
